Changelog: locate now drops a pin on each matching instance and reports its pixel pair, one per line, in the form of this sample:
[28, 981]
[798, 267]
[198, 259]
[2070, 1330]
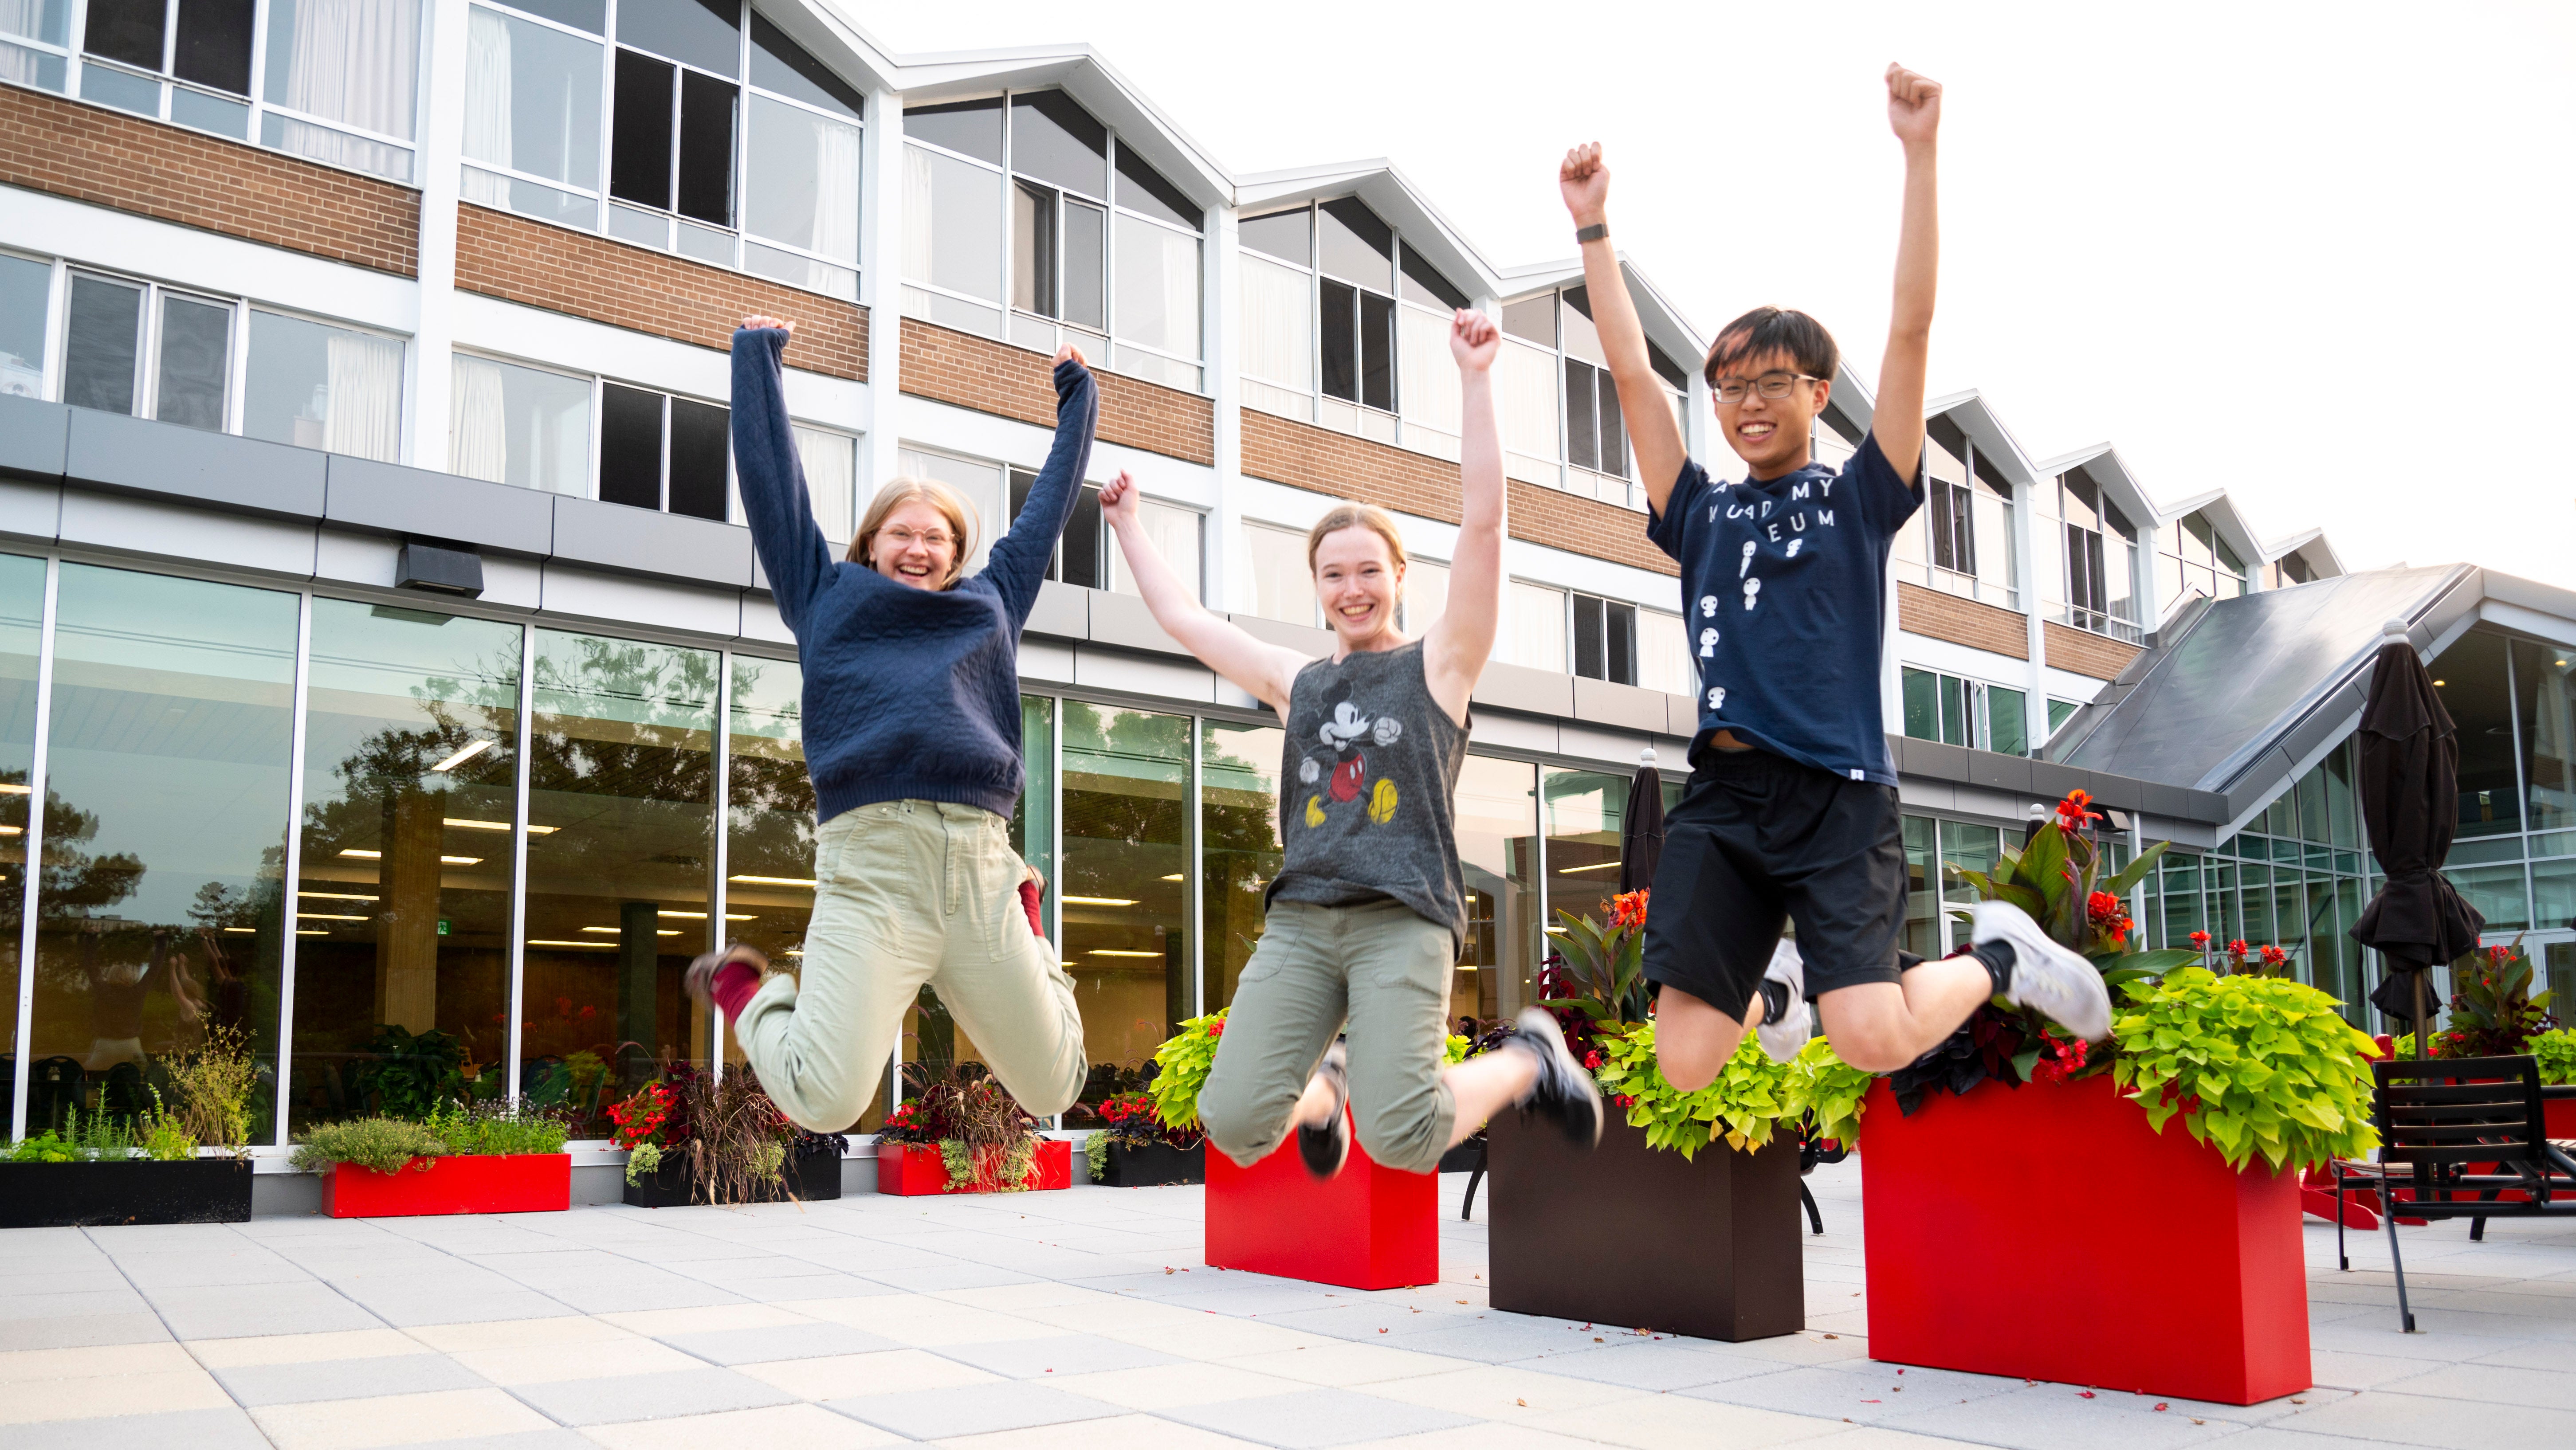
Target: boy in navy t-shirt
[1791, 808]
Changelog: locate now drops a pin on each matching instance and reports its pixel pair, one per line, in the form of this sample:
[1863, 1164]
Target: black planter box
[1152, 1165]
[1643, 1238]
[66, 1195]
[815, 1178]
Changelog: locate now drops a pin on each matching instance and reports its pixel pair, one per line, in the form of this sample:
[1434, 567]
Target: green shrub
[1829, 1090]
[46, 1147]
[2255, 1065]
[1742, 1106]
[641, 1160]
[1185, 1061]
[211, 1086]
[384, 1144]
[495, 1128]
[2557, 1054]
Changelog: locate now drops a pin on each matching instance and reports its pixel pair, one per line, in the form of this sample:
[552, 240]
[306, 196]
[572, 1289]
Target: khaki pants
[908, 892]
[1386, 971]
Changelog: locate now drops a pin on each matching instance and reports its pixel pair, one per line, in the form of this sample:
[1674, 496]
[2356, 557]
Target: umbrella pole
[2423, 1029]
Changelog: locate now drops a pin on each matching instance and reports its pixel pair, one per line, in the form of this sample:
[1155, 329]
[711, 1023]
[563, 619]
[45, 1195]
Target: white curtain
[25, 17]
[487, 104]
[1278, 324]
[1537, 627]
[1156, 298]
[1279, 584]
[365, 382]
[351, 61]
[1664, 659]
[478, 425]
[1174, 532]
[836, 190]
[920, 196]
[831, 479]
[1426, 594]
[1426, 376]
[1527, 399]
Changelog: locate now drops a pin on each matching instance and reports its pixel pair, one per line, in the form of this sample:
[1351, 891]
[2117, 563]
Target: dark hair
[1774, 329]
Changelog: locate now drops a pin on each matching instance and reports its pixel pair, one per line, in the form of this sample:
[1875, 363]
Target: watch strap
[1592, 233]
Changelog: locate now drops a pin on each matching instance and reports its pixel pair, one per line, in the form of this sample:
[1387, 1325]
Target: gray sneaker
[1785, 1038]
[1564, 1091]
[1325, 1149]
[2046, 977]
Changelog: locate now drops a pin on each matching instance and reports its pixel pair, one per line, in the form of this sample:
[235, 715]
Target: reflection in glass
[2544, 684]
[621, 774]
[402, 892]
[531, 104]
[1239, 848]
[101, 344]
[195, 355]
[2475, 691]
[952, 224]
[1497, 826]
[317, 386]
[2497, 893]
[520, 426]
[1922, 900]
[22, 610]
[1585, 812]
[1964, 847]
[1126, 782]
[165, 840]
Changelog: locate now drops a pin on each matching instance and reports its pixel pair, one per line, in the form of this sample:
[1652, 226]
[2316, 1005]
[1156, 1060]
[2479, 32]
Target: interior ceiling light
[11, 831]
[462, 756]
[1115, 952]
[6, 789]
[805, 882]
[597, 946]
[242, 930]
[460, 860]
[1595, 866]
[335, 895]
[621, 931]
[1175, 876]
[465, 825]
[364, 855]
[1099, 900]
[324, 916]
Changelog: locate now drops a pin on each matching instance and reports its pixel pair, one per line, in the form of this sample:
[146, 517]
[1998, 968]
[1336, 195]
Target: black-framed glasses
[1773, 386]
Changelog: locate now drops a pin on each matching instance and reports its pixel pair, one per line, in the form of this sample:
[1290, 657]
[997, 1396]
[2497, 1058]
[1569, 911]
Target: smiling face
[1359, 582]
[1771, 435]
[915, 545]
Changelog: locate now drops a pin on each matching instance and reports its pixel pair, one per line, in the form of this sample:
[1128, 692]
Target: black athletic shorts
[1758, 838]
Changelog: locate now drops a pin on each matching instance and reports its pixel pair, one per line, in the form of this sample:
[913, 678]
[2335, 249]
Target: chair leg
[1467, 1209]
[1815, 1218]
[2343, 1261]
[2397, 1261]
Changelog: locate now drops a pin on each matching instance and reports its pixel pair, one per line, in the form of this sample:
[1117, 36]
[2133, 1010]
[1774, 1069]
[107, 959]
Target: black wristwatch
[1592, 233]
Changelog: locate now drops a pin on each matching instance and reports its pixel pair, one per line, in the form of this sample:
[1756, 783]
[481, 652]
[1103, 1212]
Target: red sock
[1029, 902]
[734, 984]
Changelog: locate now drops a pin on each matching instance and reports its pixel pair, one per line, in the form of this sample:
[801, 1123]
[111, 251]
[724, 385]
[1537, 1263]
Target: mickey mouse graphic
[1343, 734]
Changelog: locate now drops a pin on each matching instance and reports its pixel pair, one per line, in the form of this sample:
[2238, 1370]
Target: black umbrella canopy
[2410, 780]
[1641, 830]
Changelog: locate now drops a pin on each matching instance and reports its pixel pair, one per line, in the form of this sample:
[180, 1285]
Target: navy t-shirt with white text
[1784, 589]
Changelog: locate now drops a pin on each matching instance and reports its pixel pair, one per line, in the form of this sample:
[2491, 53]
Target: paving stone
[813, 1340]
[225, 1428]
[945, 1414]
[346, 1379]
[1064, 1355]
[649, 1396]
[1314, 1419]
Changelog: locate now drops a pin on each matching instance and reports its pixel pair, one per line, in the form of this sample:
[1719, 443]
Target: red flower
[2062, 1060]
[1592, 1061]
[1628, 909]
[2274, 956]
[1217, 1028]
[2200, 939]
[2238, 947]
[2074, 811]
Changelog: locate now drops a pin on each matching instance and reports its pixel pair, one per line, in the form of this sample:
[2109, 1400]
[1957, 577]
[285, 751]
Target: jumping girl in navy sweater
[912, 737]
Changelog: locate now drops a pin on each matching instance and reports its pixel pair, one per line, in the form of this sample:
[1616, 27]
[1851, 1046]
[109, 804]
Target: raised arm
[1455, 651]
[1017, 564]
[1914, 113]
[1264, 671]
[792, 550]
[1585, 183]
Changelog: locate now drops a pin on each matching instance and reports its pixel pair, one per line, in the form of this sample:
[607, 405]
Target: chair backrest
[2439, 1116]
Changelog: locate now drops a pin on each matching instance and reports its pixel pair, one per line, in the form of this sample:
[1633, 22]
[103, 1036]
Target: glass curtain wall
[159, 903]
[1498, 855]
[621, 845]
[1239, 849]
[1124, 888]
[402, 892]
[22, 619]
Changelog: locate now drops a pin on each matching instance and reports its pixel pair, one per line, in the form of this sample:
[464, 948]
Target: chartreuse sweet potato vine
[2254, 1065]
[1744, 1104]
[2557, 1054]
[1183, 1062]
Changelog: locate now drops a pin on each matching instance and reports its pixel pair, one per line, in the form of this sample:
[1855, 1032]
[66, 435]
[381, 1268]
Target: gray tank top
[1367, 787]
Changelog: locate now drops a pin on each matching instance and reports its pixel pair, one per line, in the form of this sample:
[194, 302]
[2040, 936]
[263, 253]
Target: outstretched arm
[1264, 671]
[1914, 113]
[1585, 183]
[1017, 563]
[1455, 651]
[774, 502]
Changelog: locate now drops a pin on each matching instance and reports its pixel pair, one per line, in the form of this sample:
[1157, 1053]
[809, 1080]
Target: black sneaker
[1564, 1091]
[1325, 1149]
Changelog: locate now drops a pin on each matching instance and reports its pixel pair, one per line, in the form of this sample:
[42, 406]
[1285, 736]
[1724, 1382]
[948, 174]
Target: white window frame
[1343, 415]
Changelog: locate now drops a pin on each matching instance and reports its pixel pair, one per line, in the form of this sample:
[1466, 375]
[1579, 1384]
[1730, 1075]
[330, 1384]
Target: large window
[128, 345]
[664, 453]
[670, 124]
[531, 428]
[1961, 540]
[160, 912]
[1497, 825]
[1534, 627]
[1664, 658]
[1347, 326]
[1278, 584]
[402, 895]
[331, 80]
[2100, 558]
[2197, 560]
[1957, 711]
[1026, 219]
[1124, 887]
[1088, 554]
[1561, 376]
[22, 615]
[1239, 849]
[1605, 639]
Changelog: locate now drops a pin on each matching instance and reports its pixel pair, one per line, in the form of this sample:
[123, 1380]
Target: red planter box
[1986, 1215]
[911, 1169]
[496, 1183]
[1370, 1227]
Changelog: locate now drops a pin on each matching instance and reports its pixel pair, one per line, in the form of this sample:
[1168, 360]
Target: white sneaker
[2047, 978]
[1785, 1038]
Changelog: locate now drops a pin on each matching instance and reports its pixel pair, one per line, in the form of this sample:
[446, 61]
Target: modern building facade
[401, 691]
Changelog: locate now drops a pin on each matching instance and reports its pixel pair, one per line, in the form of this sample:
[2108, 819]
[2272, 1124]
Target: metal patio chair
[2438, 1119]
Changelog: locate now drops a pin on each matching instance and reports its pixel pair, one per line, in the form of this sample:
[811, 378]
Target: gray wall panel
[1622, 705]
[616, 600]
[30, 509]
[194, 536]
[1123, 620]
[643, 541]
[367, 494]
[33, 438]
[1518, 687]
[1062, 610]
[108, 450]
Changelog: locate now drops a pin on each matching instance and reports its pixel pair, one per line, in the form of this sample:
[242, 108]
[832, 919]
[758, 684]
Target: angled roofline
[2313, 546]
[2104, 463]
[1985, 428]
[1386, 190]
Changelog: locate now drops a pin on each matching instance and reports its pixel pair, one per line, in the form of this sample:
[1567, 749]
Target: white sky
[2300, 252]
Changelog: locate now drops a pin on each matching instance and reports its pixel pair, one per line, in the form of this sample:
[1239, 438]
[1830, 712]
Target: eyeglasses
[900, 537]
[1773, 386]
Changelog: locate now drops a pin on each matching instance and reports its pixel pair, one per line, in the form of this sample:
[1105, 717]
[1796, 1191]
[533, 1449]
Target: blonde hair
[897, 492]
[1355, 516]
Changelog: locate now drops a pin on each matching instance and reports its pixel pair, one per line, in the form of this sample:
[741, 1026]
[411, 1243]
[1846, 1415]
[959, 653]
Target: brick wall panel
[1302, 455]
[2082, 652]
[1936, 615]
[108, 158]
[587, 275]
[976, 372]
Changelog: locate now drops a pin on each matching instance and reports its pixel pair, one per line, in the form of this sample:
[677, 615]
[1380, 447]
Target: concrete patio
[1085, 1319]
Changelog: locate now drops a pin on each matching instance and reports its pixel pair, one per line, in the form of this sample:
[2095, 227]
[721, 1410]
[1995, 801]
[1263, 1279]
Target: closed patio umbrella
[1641, 830]
[2410, 780]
